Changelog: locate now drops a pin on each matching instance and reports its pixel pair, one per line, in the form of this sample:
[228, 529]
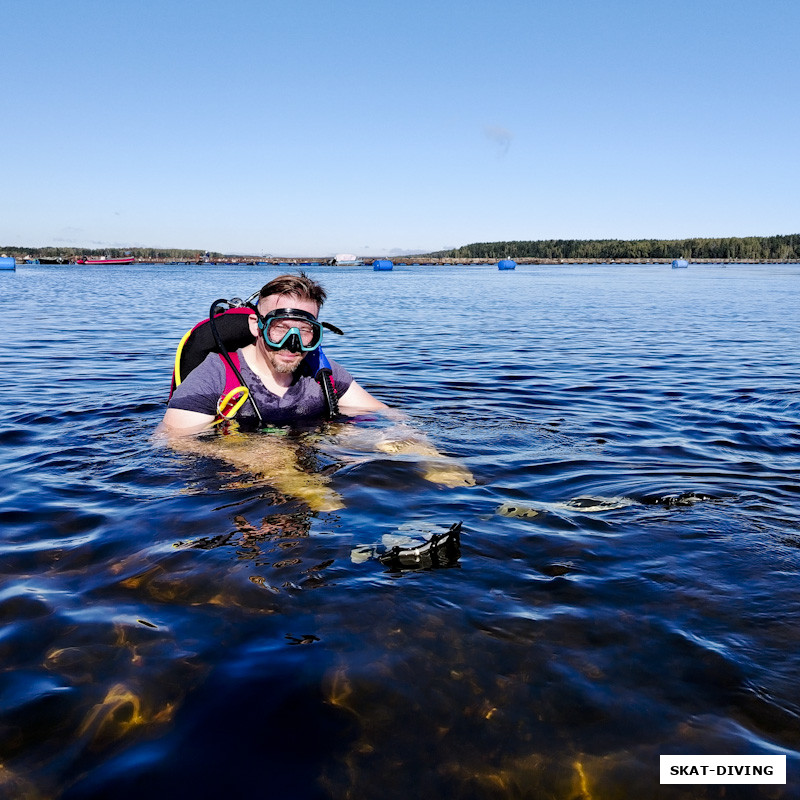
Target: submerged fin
[441, 550]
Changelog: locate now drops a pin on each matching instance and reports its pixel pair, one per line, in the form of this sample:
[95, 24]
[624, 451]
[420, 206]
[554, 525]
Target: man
[286, 330]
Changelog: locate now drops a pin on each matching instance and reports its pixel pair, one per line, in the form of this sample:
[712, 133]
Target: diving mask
[290, 329]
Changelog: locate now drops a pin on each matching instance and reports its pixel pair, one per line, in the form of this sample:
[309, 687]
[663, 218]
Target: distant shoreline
[325, 262]
[780, 249]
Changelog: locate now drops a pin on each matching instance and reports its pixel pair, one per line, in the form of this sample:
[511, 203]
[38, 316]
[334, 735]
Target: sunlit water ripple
[174, 625]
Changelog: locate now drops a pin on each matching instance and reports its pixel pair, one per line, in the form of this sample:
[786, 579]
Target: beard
[283, 367]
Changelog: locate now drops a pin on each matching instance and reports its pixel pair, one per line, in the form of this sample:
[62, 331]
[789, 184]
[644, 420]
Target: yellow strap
[178, 377]
[242, 393]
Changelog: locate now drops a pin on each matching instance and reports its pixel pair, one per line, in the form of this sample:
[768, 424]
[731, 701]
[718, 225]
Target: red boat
[126, 260]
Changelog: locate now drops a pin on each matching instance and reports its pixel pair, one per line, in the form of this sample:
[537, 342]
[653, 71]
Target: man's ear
[252, 319]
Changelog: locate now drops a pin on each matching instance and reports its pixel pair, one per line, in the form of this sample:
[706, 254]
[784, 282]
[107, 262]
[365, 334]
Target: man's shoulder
[202, 387]
[212, 364]
[341, 376]
[211, 370]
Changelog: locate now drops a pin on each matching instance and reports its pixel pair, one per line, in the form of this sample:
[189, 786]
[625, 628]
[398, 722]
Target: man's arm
[178, 422]
[357, 399]
[200, 391]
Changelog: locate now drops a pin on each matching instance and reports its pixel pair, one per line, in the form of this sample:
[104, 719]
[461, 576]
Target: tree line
[143, 253]
[757, 248]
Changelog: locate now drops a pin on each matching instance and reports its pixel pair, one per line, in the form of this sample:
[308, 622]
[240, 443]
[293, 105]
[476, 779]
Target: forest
[756, 248]
[141, 253]
[749, 248]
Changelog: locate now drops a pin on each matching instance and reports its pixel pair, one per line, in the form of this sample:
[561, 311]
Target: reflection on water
[621, 445]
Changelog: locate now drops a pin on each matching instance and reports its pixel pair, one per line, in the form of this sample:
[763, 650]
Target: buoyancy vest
[233, 332]
[235, 395]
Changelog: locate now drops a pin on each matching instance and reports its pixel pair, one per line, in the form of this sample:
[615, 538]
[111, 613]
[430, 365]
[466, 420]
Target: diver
[274, 367]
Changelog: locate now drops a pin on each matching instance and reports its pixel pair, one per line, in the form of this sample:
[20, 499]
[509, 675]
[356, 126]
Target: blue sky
[316, 127]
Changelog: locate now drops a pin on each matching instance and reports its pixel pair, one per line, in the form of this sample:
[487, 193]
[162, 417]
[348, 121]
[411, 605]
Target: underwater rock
[517, 510]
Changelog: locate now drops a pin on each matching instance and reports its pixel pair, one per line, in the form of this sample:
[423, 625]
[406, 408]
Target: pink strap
[231, 381]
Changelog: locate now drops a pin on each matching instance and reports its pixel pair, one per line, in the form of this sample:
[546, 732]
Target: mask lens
[282, 331]
[279, 328]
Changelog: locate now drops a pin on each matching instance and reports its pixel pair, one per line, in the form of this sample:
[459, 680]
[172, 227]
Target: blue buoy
[382, 264]
[506, 263]
[7, 262]
[680, 263]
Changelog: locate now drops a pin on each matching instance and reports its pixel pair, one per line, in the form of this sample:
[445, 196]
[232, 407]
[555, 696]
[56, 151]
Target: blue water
[177, 624]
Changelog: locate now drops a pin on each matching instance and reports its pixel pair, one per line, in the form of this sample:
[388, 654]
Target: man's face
[282, 361]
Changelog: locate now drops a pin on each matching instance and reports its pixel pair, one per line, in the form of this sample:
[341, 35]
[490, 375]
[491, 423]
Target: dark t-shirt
[205, 384]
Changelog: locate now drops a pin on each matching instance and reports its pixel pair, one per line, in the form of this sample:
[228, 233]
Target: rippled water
[175, 625]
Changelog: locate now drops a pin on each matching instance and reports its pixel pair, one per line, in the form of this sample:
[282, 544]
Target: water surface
[177, 625]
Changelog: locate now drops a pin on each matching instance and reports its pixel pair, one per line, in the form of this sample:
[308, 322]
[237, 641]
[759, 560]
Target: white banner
[723, 769]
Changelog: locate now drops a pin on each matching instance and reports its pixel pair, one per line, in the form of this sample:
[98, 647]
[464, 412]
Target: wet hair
[300, 286]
